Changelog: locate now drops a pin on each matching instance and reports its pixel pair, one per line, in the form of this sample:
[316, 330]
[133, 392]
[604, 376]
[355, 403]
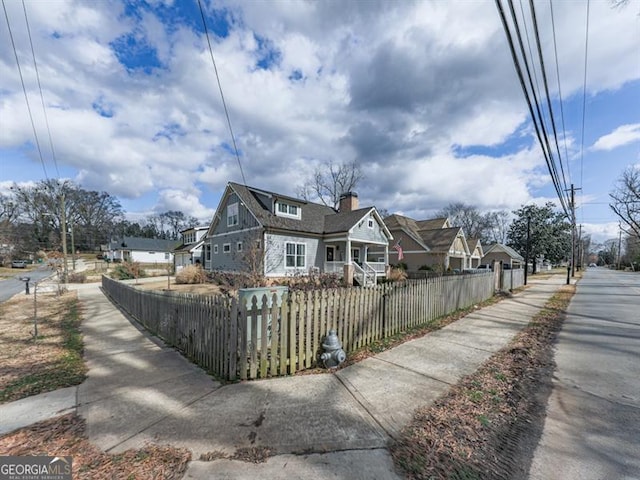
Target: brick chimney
[348, 202]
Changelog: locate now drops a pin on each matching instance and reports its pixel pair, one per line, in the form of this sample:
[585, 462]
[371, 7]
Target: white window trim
[226, 248]
[370, 223]
[288, 215]
[295, 267]
[231, 216]
[239, 246]
[215, 249]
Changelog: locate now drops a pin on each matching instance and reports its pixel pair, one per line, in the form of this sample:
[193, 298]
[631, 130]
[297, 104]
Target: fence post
[384, 312]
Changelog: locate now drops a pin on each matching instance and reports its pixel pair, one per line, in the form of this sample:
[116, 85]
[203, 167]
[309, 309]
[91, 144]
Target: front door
[355, 255]
[331, 253]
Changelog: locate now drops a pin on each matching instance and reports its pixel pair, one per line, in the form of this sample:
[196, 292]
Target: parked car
[19, 264]
[484, 267]
[592, 265]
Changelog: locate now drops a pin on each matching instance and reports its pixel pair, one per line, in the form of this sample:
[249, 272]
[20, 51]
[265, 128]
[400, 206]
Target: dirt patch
[65, 436]
[196, 289]
[29, 366]
[488, 425]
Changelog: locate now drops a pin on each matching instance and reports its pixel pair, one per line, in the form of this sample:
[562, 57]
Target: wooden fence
[512, 279]
[279, 336]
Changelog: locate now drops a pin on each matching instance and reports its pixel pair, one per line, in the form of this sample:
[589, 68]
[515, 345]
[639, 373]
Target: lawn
[29, 366]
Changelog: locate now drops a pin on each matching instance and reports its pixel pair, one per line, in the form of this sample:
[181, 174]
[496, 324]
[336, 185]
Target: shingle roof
[188, 247]
[144, 244]
[439, 239]
[315, 218]
[499, 247]
[432, 223]
[342, 222]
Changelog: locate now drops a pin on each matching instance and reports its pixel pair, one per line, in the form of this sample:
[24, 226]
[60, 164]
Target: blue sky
[422, 95]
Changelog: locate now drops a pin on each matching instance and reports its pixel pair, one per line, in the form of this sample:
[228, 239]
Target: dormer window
[370, 223]
[288, 210]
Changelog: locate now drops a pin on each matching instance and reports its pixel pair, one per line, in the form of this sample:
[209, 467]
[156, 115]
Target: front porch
[355, 261]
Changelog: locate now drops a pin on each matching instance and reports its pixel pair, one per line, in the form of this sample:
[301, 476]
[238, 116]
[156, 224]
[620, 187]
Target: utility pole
[63, 227]
[619, 243]
[580, 248]
[526, 251]
[73, 250]
[573, 230]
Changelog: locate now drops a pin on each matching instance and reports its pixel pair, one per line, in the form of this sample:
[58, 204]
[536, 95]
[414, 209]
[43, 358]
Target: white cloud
[396, 86]
[622, 135]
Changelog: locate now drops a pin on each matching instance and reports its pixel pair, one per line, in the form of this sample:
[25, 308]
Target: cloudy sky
[422, 95]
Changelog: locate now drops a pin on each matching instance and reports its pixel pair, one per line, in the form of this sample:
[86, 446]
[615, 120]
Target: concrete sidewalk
[335, 425]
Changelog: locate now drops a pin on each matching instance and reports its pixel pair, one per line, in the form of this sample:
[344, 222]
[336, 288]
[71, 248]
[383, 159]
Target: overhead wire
[44, 109]
[564, 130]
[584, 93]
[224, 103]
[546, 89]
[537, 119]
[24, 90]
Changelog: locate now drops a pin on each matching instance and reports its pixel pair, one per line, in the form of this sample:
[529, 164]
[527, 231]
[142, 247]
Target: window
[258, 244]
[232, 214]
[239, 246]
[226, 248]
[288, 210]
[215, 249]
[295, 254]
[370, 223]
[208, 250]
[166, 256]
[330, 254]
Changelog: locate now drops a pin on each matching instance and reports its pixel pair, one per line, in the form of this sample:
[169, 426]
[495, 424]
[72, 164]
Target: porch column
[348, 268]
[387, 267]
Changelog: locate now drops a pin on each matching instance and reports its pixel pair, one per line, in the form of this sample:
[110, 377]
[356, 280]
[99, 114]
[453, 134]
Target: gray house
[278, 236]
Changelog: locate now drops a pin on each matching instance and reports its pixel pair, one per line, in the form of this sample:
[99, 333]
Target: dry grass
[29, 366]
[196, 289]
[64, 436]
[191, 274]
[478, 429]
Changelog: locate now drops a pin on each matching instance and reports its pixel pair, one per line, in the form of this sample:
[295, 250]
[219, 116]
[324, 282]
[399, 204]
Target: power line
[564, 130]
[224, 104]
[537, 119]
[584, 91]
[546, 87]
[35, 65]
[24, 90]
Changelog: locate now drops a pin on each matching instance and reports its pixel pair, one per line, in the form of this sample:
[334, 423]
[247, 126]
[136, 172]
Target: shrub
[127, 270]
[311, 282]
[402, 266]
[77, 277]
[397, 274]
[425, 267]
[191, 274]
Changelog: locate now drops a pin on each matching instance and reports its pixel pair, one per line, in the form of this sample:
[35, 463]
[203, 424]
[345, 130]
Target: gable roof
[440, 239]
[433, 223]
[500, 248]
[407, 225]
[143, 244]
[474, 243]
[312, 214]
[314, 218]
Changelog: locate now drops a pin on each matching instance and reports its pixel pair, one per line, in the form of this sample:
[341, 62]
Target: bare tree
[626, 200]
[330, 181]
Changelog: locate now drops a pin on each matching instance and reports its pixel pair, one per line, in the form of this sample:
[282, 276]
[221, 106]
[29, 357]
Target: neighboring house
[475, 252]
[498, 252]
[277, 235]
[428, 243]
[190, 251]
[144, 250]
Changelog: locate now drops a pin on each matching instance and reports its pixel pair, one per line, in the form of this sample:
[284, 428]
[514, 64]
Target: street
[592, 429]
[11, 286]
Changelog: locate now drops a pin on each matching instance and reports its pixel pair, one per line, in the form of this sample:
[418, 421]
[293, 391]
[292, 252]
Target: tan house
[476, 252]
[501, 253]
[434, 244]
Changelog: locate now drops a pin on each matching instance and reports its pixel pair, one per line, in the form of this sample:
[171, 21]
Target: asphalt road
[11, 286]
[592, 429]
